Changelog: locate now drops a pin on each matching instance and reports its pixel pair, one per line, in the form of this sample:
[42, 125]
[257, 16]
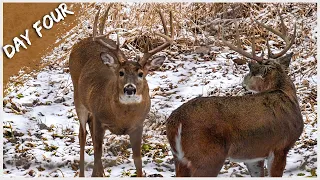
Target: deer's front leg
[135, 140]
[97, 139]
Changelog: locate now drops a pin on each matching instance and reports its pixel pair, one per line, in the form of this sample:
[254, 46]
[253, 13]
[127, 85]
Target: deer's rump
[246, 126]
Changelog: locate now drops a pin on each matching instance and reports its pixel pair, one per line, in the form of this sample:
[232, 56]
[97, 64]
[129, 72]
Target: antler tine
[237, 34]
[289, 42]
[238, 48]
[107, 45]
[101, 26]
[268, 47]
[94, 33]
[283, 29]
[104, 18]
[163, 22]
[171, 25]
[118, 41]
[272, 30]
[169, 39]
[253, 45]
[241, 51]
[107, 34]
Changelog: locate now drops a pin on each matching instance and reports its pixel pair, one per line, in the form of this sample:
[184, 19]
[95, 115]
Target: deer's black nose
[244, 86]
[129, 89]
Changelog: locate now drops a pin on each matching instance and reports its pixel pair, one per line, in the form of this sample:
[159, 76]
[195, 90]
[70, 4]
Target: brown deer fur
[111, 93]
[206, 130]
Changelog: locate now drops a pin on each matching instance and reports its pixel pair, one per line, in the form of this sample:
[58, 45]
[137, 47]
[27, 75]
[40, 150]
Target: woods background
[40, 123]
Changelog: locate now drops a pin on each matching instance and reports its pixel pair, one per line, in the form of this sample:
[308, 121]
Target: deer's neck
[288, 88]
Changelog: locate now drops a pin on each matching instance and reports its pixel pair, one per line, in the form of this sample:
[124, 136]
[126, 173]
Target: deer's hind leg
[209, 167]
[90, 123]
[208, 154]
[82, 140]
[182, 170]
[277, 163]
[256, 169]
[83, 114]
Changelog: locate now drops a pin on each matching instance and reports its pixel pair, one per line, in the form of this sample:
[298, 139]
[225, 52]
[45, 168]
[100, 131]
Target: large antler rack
[283, 35]
[252, 55]
[169, 39]
[101, 28]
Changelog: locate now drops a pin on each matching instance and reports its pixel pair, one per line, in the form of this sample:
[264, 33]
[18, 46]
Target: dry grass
[195, 24]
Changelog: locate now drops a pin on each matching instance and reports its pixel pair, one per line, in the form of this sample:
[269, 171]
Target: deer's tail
[182, 164]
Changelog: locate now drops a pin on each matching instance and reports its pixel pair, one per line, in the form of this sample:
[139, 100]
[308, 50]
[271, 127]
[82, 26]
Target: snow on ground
[41, 126]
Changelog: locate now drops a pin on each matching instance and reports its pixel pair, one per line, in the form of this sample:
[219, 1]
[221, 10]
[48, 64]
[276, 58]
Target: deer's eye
[121, 73]
[140, 74]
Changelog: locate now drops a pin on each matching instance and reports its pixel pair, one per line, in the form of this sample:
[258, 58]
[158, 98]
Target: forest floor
[41, 125]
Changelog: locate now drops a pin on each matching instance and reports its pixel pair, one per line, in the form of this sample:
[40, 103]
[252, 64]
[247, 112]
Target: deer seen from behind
[111, 92]
[205, 131]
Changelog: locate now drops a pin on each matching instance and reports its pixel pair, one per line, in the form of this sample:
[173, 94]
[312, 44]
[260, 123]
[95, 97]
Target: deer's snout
[130, 89]
[244, 86]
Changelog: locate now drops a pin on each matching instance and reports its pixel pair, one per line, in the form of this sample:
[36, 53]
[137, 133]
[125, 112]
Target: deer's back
[269, 116]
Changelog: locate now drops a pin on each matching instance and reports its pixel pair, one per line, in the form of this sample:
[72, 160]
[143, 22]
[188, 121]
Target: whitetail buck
[111, 92]
[206, 130]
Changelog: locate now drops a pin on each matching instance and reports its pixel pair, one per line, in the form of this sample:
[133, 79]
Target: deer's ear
[285, 60]
[108, 60]
[155, 63]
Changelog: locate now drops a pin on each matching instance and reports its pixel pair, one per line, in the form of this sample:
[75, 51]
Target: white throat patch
[253, 91]
[130, 99]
